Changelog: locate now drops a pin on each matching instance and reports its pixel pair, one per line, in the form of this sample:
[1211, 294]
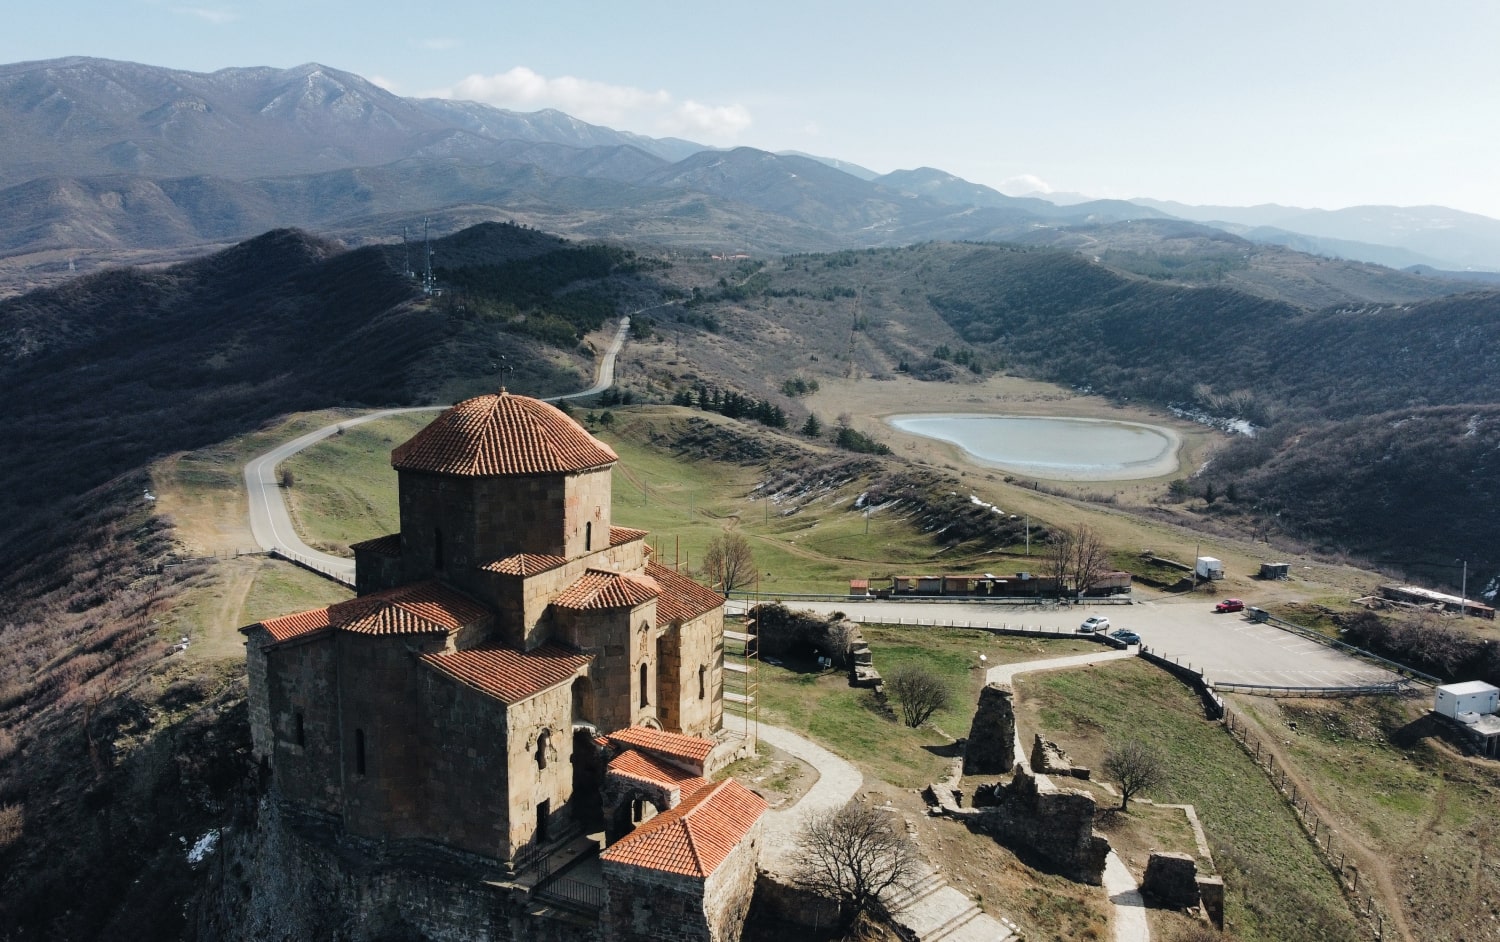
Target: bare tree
[287, 478]
[1089, 559]
[1075, 559]
[728, 562]
[919, 691]
[1136, 766]
[853, 854]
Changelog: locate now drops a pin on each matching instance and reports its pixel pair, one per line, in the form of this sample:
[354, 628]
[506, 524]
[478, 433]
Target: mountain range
[113, 161]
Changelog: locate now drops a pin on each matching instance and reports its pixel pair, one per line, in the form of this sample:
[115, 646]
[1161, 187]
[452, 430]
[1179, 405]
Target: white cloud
[1026, 184]
[720, 121]
[619, 106]
[380, 81]
[218, 16]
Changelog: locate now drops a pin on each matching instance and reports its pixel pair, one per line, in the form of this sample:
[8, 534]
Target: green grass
[1277, 889]
[281, 588]
[344, 489]
[847, 720]
[1424, 811]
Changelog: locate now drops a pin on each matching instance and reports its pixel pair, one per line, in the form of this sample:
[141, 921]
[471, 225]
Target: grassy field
[1413, 813]
[849, 721]
[345, 491]
[1277, 889]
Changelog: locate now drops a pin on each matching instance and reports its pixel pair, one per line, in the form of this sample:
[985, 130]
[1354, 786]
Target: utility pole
[1463, 606]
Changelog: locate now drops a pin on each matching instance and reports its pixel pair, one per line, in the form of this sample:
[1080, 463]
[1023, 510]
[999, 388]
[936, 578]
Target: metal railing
[314, 565]
[1395, 687]
[566, 891]
[1260, 614]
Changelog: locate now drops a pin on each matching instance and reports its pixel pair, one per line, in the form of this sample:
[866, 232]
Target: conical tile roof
[502, 434]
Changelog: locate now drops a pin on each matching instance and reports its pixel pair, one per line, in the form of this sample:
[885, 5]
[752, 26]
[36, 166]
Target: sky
[1315, 103]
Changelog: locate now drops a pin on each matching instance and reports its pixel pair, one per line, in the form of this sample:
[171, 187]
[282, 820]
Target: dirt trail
[1372, 864]
[220, 636]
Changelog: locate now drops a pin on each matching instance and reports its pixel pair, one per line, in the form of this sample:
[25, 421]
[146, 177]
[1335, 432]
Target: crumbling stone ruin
[991, 747]
[1048, 758]
[1172, 882]
[1032, 815]
[783, 632]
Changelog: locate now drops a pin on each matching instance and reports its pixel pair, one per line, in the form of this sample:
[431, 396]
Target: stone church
[516, 671]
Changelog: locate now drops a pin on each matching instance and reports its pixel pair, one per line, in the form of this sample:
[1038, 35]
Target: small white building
[1471, 696]
[1472, 706]
[1209, 568]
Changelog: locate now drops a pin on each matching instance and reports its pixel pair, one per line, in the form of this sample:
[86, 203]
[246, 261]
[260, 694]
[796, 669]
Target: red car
[1230, 605]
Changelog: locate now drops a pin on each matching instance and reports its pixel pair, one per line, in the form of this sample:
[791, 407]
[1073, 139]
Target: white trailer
[1471, 696]
[1209, 568]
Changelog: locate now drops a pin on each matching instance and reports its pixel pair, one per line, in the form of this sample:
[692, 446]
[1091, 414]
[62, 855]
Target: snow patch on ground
[202, 847]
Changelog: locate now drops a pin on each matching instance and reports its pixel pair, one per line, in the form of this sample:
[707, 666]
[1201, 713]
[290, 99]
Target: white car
[1094, 623]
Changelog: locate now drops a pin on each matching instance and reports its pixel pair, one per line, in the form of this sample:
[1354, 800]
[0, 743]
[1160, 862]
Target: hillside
[1317, 384]
[115, 163]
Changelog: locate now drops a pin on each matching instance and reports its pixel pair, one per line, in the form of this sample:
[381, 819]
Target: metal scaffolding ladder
[742, 677]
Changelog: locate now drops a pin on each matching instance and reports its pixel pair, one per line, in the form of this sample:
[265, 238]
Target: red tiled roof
[681, 599]
[388, 545]
[419, 608]
[638, 766]
[687, 748]
[499, 435]
[510, 675]
[597, 588]
[287, 627]
[695, 837]
[525, 564]
[619, 536]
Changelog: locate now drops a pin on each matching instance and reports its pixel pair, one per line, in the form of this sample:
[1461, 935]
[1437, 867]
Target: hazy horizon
[1332, 106]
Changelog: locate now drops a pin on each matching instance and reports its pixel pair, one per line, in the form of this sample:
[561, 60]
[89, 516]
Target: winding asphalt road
[271, 525]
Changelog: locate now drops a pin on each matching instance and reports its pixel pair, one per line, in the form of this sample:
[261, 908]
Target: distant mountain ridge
[105, 159]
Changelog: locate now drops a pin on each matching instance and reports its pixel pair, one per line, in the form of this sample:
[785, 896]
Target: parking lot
[1228, 648]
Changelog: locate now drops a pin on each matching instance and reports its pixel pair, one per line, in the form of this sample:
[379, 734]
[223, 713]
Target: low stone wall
[1213, 704]
[779, 897]
[1048, 758]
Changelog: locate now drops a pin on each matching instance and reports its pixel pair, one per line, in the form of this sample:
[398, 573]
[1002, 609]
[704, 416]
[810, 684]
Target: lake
[1060, 448]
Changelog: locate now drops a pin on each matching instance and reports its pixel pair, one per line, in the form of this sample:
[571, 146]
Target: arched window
[702, 678]
[645, 700]
[588, 535]
[437, 549]
[542, 742]
[359, 751]
[300, 728]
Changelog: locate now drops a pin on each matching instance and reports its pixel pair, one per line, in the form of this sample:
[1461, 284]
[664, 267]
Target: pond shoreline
[1058, 448]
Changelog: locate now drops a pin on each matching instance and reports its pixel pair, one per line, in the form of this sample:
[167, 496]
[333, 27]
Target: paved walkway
[1124, 893]
[931, 909]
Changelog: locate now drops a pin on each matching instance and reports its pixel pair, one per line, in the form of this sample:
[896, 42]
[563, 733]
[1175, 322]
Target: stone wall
[692, 675]
[991, 746]
[1048, 758]
[621, 641]
[655, 906]
[301, 679]
[278, 875]
[533, 781]
[1056, 826]
[466, 775]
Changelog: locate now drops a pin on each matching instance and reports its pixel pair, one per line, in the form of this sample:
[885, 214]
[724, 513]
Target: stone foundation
[1171, 880]
[1048, 758]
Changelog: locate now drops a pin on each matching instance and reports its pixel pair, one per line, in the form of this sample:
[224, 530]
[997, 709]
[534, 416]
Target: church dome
[502, 435]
